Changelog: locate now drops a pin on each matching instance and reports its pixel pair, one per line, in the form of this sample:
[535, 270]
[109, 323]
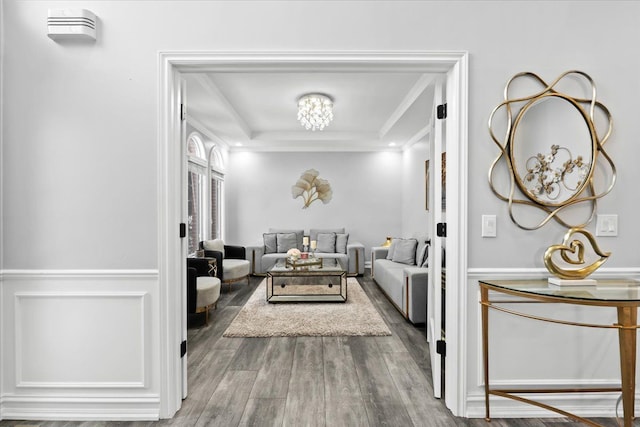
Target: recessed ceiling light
[238, 144]
[392, 144]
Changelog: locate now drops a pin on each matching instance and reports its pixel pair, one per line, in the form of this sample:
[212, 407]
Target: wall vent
[71, 24]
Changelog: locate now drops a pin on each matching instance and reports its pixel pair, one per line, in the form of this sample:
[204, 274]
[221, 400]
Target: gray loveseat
[331, 243]
[401, 271]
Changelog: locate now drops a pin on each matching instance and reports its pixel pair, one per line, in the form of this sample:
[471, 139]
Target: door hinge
[183, 230]
[441, 229]
[441, 111]
[441, 348]
[183, 348]
[183, 112]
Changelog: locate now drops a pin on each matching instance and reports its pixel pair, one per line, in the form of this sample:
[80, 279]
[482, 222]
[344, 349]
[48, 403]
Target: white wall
[367, 195]
[415, 218]
[79, 144]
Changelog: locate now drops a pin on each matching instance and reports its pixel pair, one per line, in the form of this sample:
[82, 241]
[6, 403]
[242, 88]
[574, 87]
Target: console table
[624, 295]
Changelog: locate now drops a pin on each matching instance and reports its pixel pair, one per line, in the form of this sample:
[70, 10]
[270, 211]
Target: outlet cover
[607, 225]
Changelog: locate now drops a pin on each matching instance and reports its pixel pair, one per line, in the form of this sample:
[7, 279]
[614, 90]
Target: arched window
[197, 173]
[205, 192]
[216, 193]
[195, 147]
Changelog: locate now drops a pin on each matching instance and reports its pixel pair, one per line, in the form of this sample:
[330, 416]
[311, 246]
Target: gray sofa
[401, 271]
[331, 243]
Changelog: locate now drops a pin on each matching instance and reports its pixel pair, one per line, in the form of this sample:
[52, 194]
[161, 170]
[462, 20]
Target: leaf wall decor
[311, 188]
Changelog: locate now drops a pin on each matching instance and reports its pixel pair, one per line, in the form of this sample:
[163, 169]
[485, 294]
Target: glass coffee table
[313, 280]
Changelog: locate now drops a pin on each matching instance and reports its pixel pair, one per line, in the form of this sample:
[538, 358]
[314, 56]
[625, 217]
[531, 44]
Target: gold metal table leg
[484, 299]
[627, 321]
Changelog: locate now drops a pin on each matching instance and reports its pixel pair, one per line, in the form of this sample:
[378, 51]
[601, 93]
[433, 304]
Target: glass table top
[328, 265]
[603, 290]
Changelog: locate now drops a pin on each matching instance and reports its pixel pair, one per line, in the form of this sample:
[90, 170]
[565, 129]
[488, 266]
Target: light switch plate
[606, 225]
[489, 227]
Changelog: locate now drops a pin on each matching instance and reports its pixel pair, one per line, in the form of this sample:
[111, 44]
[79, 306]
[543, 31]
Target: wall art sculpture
[311, 188]
[551, 145]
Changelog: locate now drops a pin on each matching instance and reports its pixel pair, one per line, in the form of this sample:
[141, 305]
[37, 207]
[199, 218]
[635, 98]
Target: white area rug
[356, 317]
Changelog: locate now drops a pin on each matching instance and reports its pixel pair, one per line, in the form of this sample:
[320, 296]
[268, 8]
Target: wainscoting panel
[526, 353]
[79, 345]
[94, 322]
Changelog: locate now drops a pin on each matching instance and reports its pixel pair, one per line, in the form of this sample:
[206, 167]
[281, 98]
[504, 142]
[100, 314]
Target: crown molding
[297, 61]
[316, 136]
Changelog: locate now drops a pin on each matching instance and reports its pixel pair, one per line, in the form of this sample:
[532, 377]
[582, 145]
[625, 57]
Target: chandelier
[315, 111]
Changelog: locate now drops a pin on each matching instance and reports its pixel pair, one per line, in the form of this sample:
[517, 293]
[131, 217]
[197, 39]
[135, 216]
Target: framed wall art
[426, 185]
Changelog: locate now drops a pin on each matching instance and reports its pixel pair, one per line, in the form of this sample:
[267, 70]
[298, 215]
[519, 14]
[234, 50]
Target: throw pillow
[405, 252]
[341, 242]
[326, 243]
[270, 243]
[214, 245]
[299, 234]
[392, 248]
[286, 241]
[313, 233]
[423, 256]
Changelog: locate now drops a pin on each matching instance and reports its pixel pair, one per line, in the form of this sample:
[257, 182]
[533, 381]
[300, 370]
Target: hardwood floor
[310, 381]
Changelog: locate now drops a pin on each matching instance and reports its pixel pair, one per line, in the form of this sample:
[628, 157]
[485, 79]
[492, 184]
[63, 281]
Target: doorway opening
[172, 248]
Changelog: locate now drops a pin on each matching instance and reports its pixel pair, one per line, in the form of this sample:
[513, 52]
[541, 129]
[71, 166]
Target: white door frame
[434, 290]
[456, 124]
[170, 263]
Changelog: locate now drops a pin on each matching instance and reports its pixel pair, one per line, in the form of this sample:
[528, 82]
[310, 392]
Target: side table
[623, 295]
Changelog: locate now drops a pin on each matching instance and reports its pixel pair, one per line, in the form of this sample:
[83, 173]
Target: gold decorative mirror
[550, 149]
[553, 142]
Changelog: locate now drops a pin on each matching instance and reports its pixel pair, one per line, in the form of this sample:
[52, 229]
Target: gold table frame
[627, 325]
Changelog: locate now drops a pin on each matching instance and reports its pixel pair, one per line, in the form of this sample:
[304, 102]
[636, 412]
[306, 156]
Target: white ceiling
[258, 110]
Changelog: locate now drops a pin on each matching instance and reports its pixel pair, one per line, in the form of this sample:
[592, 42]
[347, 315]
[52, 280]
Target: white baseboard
[587, 405]
[133, 408]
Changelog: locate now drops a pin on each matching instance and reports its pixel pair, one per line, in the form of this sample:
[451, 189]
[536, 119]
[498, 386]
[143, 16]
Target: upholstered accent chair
[203, 290]
[232, 263]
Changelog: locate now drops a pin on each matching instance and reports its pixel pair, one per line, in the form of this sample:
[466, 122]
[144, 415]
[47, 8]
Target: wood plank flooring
[310, 381]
